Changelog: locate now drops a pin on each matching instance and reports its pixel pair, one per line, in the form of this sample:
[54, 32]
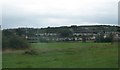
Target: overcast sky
[44, 13]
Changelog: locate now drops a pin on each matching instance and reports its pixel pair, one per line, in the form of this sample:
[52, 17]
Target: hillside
[65, 33]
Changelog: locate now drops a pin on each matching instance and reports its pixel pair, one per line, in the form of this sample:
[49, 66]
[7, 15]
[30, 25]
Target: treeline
[66, 30]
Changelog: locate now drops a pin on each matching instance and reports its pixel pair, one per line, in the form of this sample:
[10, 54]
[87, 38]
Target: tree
[65, 32]
[100, 38]
[18, 43]
[13, 41]
[83, 38]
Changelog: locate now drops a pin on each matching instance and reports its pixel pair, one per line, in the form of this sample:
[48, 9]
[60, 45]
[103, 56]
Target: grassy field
[64, 55]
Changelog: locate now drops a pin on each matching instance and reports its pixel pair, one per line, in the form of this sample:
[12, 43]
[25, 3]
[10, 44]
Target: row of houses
[46, 39]
[57, 34]
[46, 34]
[74, 34]
[50, 37]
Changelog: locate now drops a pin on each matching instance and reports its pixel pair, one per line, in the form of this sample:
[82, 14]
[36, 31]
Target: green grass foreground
[64, 55]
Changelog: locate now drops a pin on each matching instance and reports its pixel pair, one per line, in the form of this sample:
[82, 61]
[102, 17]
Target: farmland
[64, 55]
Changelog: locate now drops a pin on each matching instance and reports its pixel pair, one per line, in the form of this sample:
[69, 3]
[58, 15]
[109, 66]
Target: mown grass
[64, 55]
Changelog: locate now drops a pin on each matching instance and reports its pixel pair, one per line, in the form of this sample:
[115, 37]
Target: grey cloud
[13, 17]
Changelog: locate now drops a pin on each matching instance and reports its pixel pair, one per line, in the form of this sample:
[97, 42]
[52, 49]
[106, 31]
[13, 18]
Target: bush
[13, 42]
[100, 38]
[31, 52]
[18, 43]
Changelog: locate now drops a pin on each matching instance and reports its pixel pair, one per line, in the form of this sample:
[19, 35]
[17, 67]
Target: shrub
[18, 43]
[13, 42]
[31, 52]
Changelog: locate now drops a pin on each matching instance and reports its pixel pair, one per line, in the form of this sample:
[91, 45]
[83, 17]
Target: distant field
[64, 55]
